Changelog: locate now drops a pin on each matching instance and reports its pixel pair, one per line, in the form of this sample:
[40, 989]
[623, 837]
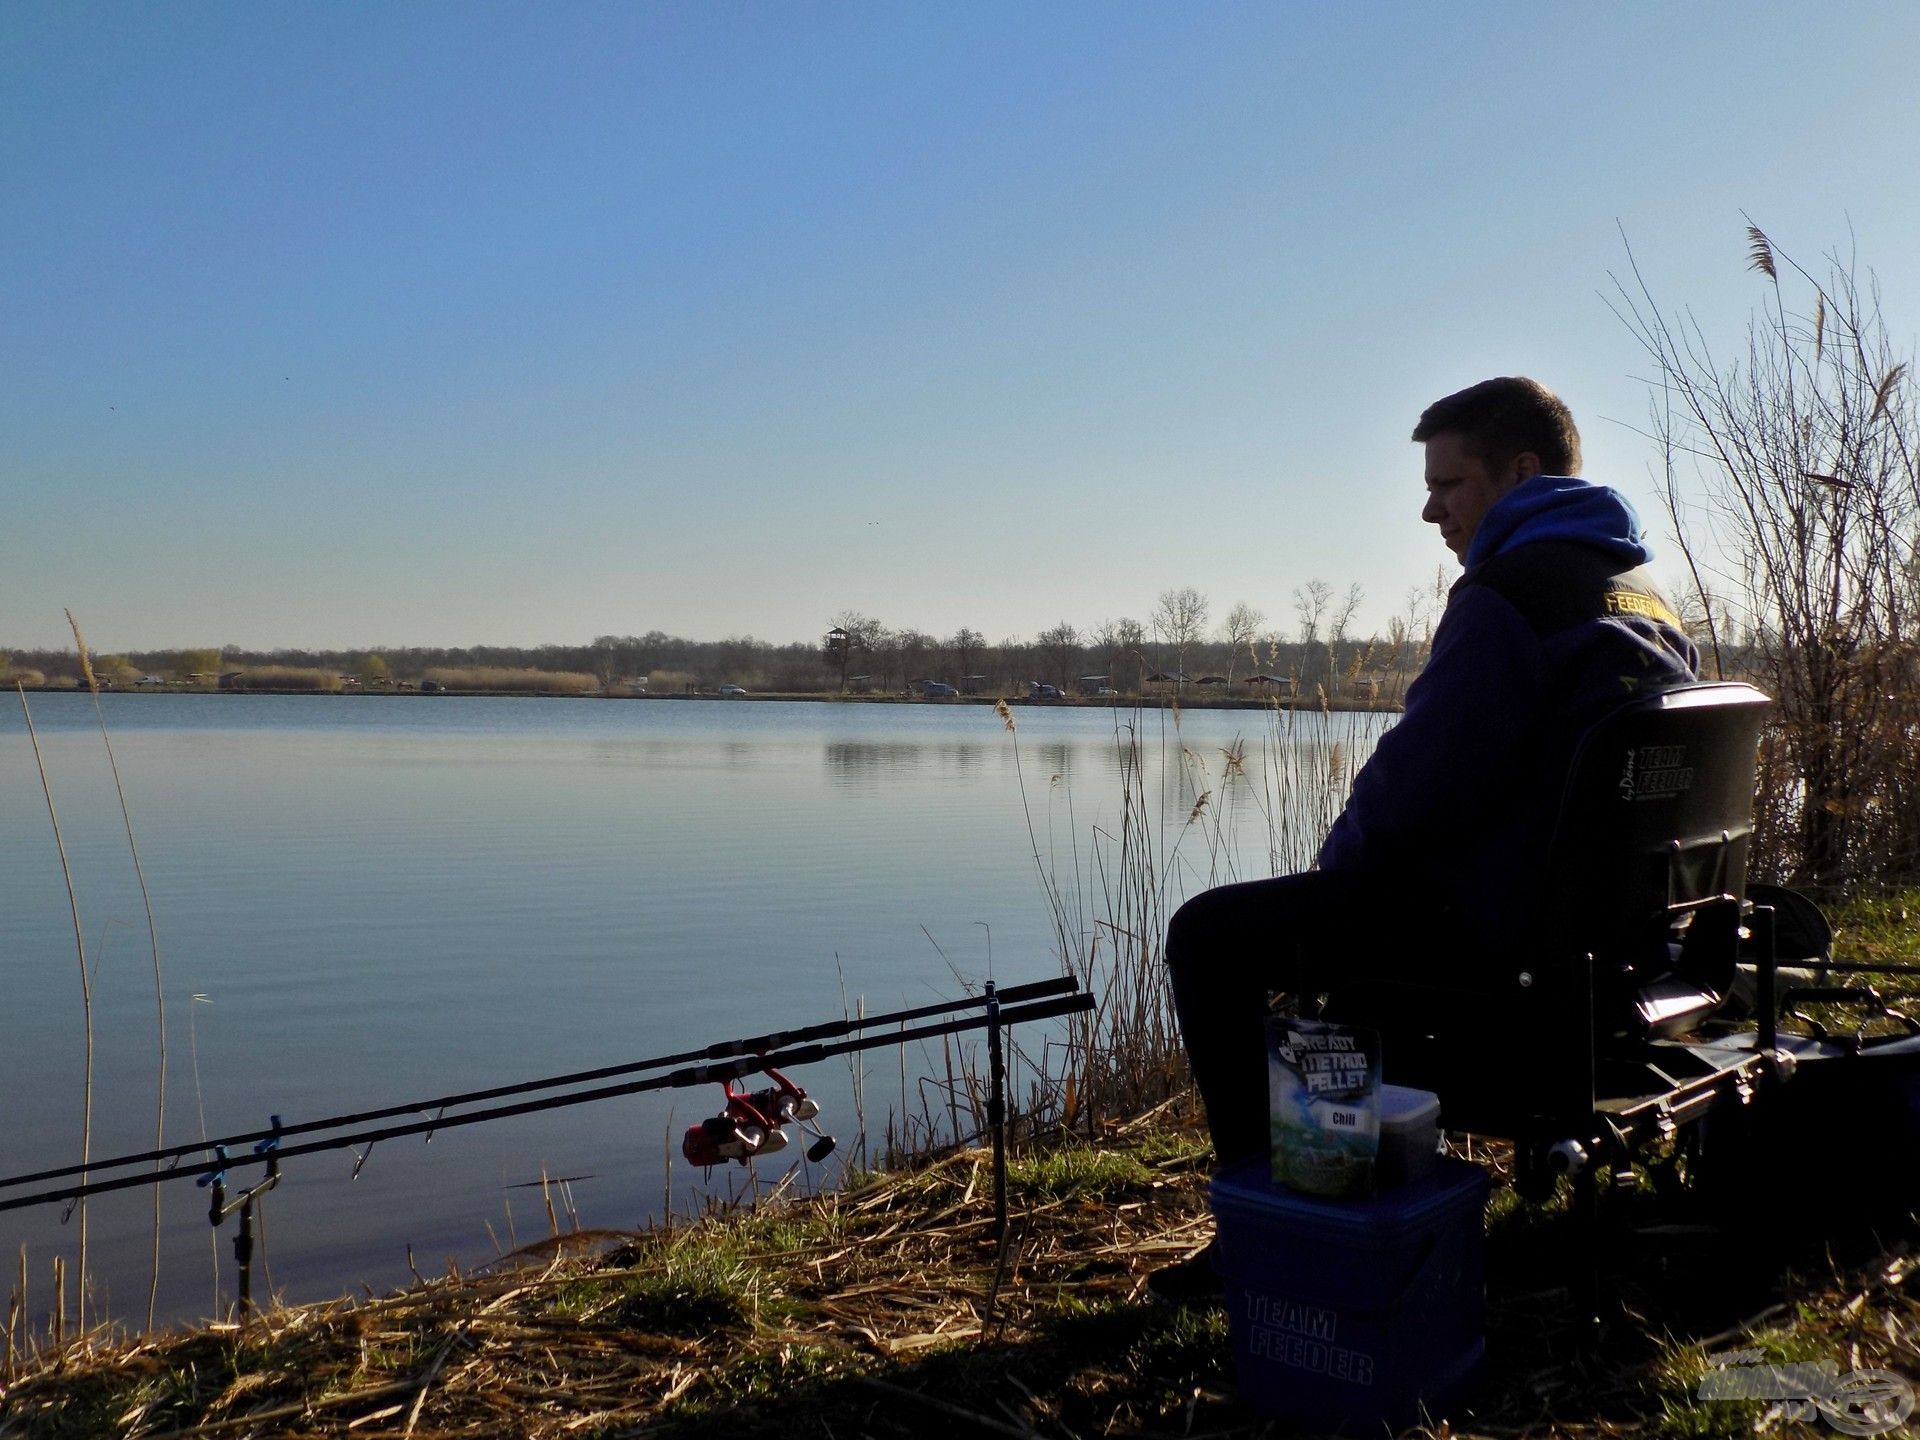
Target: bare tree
[1411, 634]
[1180, 617]
[916, 653]
[1242, 624]
[1061, 646]
[1338, 626]
[964, 646]
[1310, 603]
[888, 663]
[1120, 644]
[1790, 477]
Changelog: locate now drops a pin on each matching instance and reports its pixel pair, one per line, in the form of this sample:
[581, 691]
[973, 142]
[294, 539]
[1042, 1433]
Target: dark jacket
[1552, 624]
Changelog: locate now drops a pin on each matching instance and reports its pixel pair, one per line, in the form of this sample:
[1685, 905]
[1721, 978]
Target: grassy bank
[884, 1310]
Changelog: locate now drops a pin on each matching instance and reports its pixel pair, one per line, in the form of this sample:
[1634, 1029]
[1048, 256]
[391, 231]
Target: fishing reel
[751, 1124]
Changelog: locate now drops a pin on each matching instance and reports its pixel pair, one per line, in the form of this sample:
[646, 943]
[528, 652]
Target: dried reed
[86, 1008]
[521, 681]
[284, 677]
[1184, 834]
[153, 940]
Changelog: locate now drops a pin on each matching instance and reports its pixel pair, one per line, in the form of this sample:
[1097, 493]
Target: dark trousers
[1228, 949]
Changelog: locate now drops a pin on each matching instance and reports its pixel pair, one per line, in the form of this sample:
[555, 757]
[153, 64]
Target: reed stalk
[153, 941]
[1177, 833]
[86, 1004]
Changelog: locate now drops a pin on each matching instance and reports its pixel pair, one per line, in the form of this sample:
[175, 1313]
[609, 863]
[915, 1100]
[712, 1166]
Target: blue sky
[360, 325]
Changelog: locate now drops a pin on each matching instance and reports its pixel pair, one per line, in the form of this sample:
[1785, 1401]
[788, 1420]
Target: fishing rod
[271, 1150]
[721, 1050]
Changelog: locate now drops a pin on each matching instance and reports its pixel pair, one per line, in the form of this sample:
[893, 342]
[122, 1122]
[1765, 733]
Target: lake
[367, 900]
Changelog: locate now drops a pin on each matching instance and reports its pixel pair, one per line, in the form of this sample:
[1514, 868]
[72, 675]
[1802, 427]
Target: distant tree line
[1174, 648]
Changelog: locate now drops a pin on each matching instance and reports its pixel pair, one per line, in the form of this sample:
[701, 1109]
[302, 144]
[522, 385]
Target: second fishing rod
[437, 1106]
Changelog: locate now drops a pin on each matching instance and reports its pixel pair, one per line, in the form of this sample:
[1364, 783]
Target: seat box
[1354, 1315]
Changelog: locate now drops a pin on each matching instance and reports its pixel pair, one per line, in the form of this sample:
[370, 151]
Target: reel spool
[751, 1124]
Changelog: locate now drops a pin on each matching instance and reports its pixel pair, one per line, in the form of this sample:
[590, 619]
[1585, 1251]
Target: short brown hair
[1499, 419]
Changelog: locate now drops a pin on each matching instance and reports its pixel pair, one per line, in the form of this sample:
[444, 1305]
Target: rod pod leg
[997, 1117]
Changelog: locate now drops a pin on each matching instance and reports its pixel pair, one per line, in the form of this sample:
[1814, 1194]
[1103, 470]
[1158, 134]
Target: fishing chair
[1583, 1041]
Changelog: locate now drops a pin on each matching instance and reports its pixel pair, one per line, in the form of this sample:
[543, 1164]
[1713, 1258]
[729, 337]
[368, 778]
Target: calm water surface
[366, 900]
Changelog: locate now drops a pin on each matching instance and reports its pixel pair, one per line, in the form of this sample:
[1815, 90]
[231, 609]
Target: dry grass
[86, 1012]
[285, 677]
[1186, 815]
[87, 671]
[884, 1310]
[500, 680]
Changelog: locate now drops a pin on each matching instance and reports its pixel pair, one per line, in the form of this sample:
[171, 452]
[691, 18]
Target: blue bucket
[1354, 1315]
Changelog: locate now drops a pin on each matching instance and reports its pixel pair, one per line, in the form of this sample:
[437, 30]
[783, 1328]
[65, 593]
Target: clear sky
[379, 324]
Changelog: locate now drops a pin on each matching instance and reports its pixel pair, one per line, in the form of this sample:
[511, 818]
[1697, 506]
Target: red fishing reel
[751, 1124]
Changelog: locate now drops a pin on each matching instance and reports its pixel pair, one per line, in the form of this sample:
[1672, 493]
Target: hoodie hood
[1560, 507]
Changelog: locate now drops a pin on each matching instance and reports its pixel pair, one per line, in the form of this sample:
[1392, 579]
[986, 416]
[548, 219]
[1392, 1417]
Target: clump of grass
[1182, 1352]
[703, 1286]
[1884, 929]
[1173, 1149]
[504, 680]
[1677, 1375]
[1076, 1173]
[779, 1230]
[774, 1374]
[284, 677]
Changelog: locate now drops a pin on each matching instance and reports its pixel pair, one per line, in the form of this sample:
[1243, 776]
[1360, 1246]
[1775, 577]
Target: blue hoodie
[1552, 624]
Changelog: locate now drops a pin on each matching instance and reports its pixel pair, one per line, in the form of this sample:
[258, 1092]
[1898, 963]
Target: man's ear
[1526, 465]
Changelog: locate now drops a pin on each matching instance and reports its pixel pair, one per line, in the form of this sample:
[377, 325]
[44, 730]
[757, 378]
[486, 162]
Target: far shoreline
[1069, 702]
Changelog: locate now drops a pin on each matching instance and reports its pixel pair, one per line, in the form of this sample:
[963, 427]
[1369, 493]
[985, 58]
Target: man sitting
[1441, 850]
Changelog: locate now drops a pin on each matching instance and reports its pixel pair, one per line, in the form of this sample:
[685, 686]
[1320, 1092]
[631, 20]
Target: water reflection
[864, 761]
[1056, 759]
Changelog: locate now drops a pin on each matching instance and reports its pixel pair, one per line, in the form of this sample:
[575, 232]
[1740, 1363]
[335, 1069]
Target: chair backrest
[1649, 859]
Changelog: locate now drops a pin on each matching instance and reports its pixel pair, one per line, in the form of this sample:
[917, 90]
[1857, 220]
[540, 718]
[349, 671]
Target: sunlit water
[366, 900]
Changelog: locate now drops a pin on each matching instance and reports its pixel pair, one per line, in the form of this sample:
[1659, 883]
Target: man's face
[1461, 488]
